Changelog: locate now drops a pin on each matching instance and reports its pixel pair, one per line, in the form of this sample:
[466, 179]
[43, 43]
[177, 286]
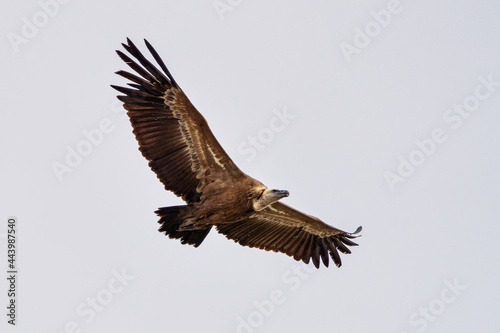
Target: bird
[187, 158]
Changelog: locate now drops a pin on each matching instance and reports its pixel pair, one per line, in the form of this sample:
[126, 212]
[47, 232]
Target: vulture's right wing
[280, 228]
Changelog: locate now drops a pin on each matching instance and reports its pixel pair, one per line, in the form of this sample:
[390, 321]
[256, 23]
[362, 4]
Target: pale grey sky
[375, 113]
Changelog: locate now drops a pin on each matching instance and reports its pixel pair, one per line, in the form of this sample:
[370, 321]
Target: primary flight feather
[181, 149]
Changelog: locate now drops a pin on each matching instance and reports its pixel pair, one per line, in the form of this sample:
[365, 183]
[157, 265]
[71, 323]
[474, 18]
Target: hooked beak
[278, 194]
[284, 193]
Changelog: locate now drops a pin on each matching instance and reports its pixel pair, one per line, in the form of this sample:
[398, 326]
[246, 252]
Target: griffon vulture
[181, 149]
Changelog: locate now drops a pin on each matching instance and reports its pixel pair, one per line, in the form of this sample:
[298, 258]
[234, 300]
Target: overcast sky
[383, 114]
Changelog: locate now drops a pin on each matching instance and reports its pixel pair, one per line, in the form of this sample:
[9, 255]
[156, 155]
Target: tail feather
[171, 219]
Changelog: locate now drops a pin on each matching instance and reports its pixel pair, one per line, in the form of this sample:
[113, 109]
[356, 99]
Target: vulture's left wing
[280, 228]
[173, 136]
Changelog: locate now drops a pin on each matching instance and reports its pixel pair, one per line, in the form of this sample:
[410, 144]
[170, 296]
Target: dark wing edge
[280, 228]
[171, 132]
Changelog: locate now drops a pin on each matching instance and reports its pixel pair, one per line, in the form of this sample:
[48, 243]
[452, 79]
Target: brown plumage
[181, 149]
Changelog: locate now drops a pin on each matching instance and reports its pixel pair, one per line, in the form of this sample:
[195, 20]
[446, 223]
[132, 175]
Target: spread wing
[280, 228]
[173, 136]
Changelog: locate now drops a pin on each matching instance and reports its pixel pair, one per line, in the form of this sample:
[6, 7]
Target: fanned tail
[171, 219]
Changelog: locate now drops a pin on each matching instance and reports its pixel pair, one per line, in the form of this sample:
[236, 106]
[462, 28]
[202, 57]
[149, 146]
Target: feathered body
[186, 157]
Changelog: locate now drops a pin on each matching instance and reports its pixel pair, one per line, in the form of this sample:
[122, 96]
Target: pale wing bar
[283, 229]
[156, 128]
[172, 134]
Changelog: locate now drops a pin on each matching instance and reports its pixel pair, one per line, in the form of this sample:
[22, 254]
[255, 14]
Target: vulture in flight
[187, 158]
